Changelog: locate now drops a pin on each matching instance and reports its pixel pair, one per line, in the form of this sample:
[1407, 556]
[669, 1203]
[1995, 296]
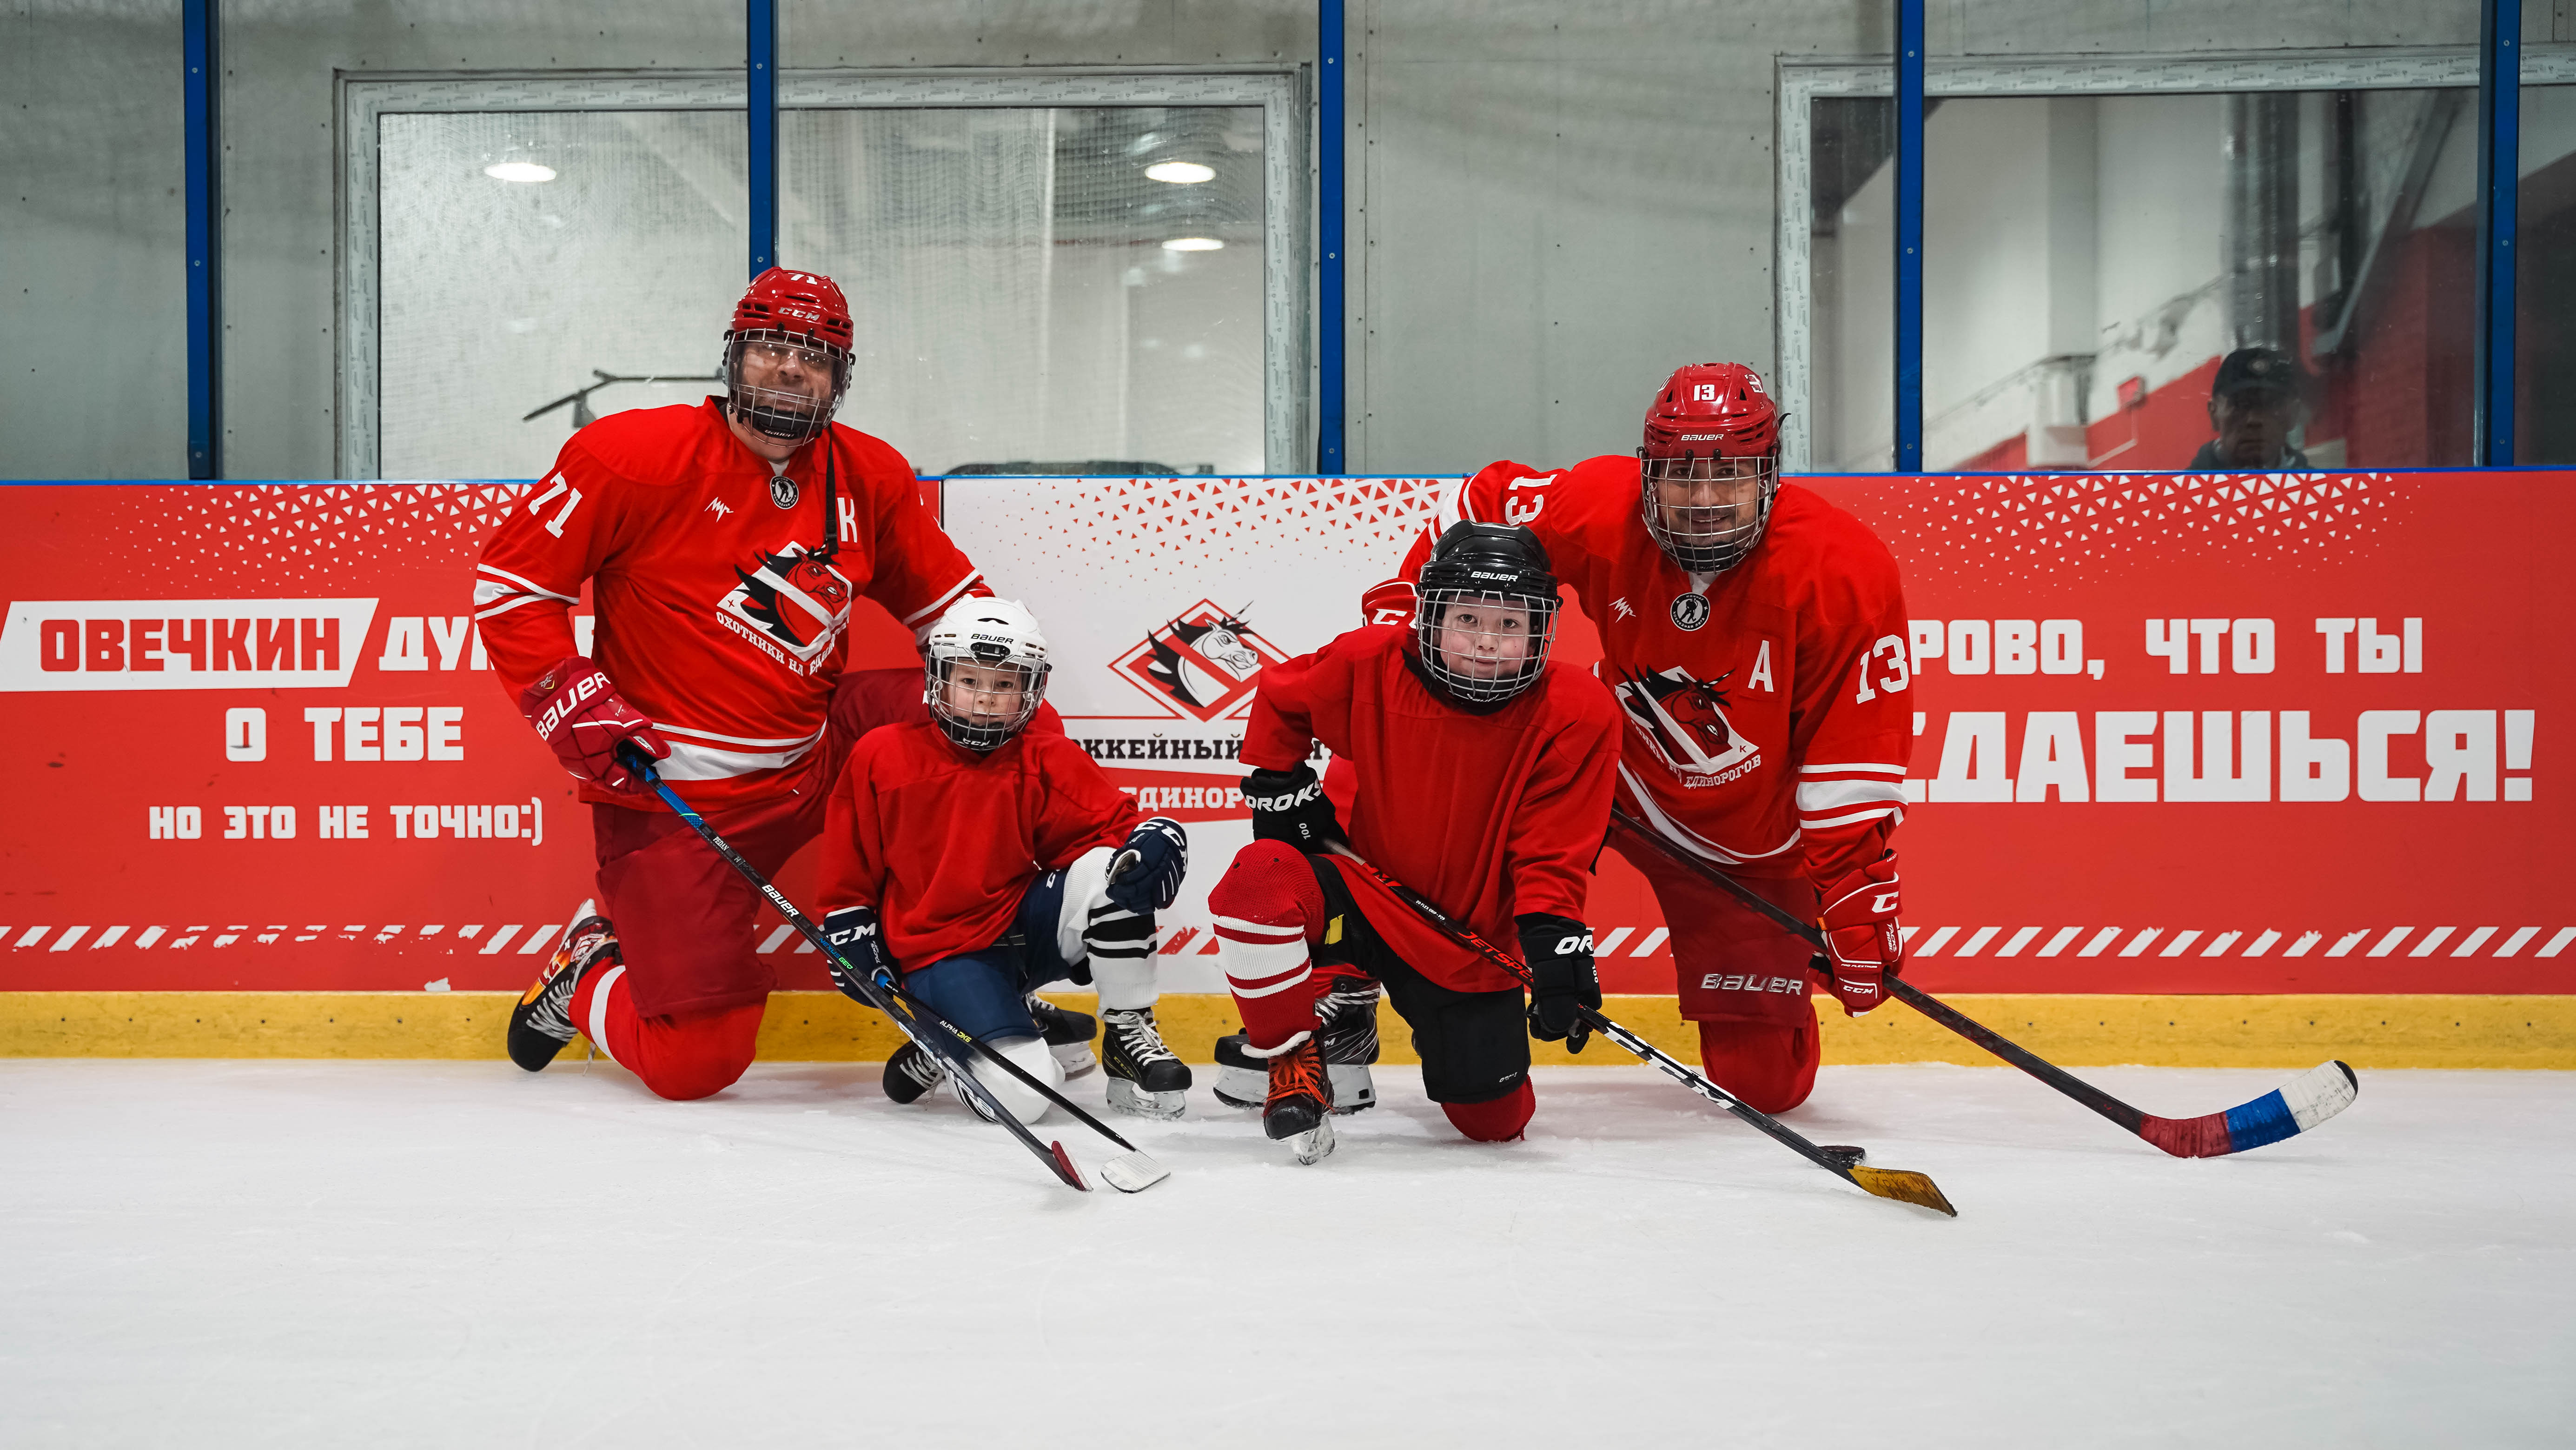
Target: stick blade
[1903, 1186]
[1066, 1168]
[2287, 1111]
[1133, 1172]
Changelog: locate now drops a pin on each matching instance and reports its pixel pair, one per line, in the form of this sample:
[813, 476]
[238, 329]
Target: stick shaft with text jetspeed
[1902, 1185]
[2286, 1111]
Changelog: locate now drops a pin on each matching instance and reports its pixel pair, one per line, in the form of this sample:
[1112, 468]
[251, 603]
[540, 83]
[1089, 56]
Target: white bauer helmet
[993, 634]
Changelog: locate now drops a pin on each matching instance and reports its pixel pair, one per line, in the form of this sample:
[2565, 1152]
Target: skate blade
[1315, 1144]
[1126, 1097]
[1076, 1059]
[1133, 1172]
[1353, 1089]
[1242, 1087]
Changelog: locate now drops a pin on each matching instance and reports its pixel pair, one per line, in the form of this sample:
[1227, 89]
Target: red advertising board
[2174, 733]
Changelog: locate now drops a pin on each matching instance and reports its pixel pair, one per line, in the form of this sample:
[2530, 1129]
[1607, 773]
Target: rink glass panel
[1026, 296]
[499, 296]
[2545, 311]
[1851, 250]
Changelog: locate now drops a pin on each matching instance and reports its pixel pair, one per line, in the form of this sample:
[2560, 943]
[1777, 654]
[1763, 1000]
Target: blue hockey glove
[858, 943]
[1145, 875]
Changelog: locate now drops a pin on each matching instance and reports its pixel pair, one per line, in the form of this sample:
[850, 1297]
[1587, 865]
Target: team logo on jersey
[792, 605]
[784, 491]
[1690, 611]
[1203, 662]
[1686, 719]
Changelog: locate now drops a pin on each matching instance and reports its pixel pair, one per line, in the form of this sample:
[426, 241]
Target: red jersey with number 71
[717, 618]
[1769, 716]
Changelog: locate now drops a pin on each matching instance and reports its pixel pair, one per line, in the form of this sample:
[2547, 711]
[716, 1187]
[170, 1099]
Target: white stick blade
[1133, 1172]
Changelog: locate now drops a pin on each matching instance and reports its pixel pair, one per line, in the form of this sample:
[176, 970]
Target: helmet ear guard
[1487, 614]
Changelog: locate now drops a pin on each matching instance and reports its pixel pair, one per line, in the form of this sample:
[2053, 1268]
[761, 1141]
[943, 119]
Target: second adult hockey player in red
[1755, 636]
[1483, 783]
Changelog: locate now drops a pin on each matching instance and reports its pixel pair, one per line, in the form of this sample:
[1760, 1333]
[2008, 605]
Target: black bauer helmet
[1487, 613]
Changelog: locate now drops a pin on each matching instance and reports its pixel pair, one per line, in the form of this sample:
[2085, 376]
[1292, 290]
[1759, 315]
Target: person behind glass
[2253, 407]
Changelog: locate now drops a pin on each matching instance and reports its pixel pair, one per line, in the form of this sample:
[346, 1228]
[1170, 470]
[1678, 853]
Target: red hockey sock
[1767, 1066]
[1268, 909]
[1499, 1120]
[684, 1056]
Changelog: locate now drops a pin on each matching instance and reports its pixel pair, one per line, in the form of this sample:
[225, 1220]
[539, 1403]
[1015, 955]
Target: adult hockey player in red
[1755, 637]
[980, 862]
[1483, 781]
[724, 545]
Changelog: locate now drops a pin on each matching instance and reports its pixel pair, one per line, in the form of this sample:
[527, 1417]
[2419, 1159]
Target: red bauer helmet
[792, 330]
[1710, 465]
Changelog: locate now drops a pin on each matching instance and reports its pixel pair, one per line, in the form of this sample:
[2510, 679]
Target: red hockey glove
[1389, 602]
[1860, 934]
[577, 711]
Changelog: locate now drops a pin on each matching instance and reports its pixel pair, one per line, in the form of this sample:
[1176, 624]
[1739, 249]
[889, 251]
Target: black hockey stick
[1900, 1184]
[899, 1012]
[2291, 1109]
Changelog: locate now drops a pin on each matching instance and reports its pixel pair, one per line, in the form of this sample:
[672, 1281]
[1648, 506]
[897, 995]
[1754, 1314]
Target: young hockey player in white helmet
[976, 860]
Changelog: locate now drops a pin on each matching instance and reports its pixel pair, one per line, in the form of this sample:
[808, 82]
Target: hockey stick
[2293, 1108]
[1118, 1174]
[1900, 1184]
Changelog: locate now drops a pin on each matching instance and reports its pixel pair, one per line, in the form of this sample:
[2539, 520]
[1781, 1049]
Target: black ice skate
[1348, 1032]
[910, 1073]
[1299, 1111]
[542, 1022]
[1145, 1079]
[1068, 1035]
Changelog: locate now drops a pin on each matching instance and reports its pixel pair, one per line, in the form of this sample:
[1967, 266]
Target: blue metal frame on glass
[1909, 236]
[2499, 184]
[1329, 423]
[760, 73]
[205, 288]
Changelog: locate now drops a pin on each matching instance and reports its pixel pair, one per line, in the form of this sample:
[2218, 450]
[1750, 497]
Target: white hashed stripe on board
[1934, 940]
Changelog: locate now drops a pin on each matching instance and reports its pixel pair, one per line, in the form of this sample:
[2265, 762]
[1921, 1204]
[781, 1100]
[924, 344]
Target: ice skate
[542, 1022]
[1145, 1079]
[910, 1073]
[1348, 1032]
[1068, 1035]
[1298, 1111]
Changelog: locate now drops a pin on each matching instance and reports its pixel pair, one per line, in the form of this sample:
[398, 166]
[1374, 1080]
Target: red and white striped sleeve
[1855, 731]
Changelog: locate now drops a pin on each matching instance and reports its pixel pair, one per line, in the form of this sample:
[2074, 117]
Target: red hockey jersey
[1769, 723]
[712, 619]
[1490, 816]
[942, 841]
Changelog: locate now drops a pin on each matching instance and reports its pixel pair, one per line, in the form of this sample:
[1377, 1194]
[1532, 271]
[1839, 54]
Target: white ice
[210, 1254]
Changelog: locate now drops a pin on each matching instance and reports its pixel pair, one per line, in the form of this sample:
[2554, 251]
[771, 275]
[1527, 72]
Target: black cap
[2257, 369]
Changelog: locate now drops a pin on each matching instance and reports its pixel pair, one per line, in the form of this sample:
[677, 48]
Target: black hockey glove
[858, 942]
[1290, 806]
[1559, 952]
[1145, 875]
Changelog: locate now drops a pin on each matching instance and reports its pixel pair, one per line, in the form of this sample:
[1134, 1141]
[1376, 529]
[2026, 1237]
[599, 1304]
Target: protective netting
[499, 296]
[1014, 296]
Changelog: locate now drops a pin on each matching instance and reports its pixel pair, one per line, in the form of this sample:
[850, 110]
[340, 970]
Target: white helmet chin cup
[997, 635]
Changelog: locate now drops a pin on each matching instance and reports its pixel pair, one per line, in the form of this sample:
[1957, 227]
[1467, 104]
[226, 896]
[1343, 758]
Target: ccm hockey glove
[858, 943]
[577, 711]
[1559, 952]
[1290, 806]
[1860, 930]
[1155, 858]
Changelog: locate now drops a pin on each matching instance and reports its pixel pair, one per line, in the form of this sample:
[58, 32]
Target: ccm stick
[1899, 1184]
[2289, 1110]
[1130, 1172]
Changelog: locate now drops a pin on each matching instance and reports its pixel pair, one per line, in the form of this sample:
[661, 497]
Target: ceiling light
[1181, 173]
[522, 171]
[1194, 244]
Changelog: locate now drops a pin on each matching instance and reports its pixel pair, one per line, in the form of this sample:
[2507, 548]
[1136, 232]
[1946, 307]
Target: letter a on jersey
[1685, 718]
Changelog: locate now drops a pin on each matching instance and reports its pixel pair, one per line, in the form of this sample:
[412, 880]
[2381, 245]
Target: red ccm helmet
[792, 331]
[1712, 425]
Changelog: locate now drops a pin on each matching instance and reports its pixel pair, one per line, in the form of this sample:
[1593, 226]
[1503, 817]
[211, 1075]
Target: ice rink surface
[291, 1253]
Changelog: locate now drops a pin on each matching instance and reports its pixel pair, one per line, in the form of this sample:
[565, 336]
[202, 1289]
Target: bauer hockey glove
[1145, 875]
[858, 946]
[1559, 952]
[1861, 936]
[1290, 806]
[578, 712]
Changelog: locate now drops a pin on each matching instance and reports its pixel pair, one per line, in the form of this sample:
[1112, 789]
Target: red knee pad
[1765, 1066]
[1272, 883]
[1498, 1120]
